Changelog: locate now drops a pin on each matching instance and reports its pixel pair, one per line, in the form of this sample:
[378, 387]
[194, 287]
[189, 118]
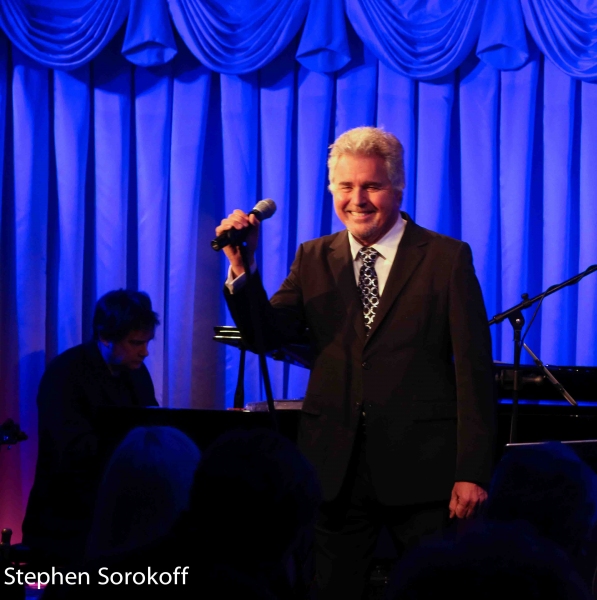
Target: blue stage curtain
[237, 36]
[125, 143]
[425, 40]
[565, 32]
[586, 321]
[520, 243]
[62, 35]
[149, 39]
[502, 39]
[324, 43]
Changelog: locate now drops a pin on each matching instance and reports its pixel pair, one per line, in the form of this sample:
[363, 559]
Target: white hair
[370, 141]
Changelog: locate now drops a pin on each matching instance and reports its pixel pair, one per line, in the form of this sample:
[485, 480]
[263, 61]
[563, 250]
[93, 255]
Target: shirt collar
[387, 245]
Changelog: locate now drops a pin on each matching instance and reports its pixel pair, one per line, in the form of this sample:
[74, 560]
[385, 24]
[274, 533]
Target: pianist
[398, 418]
[107, 370]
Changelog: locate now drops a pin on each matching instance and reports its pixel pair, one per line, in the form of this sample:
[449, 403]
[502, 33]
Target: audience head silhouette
[253, 496]
[494, 562]
[144, 490]
[550, 487]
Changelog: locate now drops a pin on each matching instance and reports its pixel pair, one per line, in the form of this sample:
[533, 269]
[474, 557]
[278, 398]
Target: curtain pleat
[396, 113]
[153, 112]
[560, 216]
[277, 93]
[478, 110]
[315, 99]
[190, 102]
[4, 92]
[30, 98]
[520, 181]
[586, 348]
[71, 139]
[240, 130]
[434, 176]
[113, 169]
[15, 474]
[314, 113]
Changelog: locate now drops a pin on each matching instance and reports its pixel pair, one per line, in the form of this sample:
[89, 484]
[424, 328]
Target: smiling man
[399, 415]
[107, 370]
[364, 197]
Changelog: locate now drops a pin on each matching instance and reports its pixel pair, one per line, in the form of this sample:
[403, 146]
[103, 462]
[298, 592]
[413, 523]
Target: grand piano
[543, 414]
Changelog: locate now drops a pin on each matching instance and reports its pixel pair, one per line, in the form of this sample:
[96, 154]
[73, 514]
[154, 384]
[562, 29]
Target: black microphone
[264, 209]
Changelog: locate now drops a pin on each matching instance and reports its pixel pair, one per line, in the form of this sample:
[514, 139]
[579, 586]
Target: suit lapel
[411, 252]
[342, 268]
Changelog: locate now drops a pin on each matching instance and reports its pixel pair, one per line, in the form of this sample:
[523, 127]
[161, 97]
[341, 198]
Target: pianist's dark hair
[121, 311]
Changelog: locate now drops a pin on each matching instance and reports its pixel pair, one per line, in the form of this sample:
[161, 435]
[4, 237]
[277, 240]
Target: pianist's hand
[240, 220]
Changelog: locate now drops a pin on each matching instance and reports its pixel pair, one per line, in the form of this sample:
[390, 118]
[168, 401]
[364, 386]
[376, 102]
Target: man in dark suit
[108, 370]
[398, 417]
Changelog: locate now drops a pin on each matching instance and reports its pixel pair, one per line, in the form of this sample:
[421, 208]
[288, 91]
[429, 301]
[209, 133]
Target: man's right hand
[240, 220]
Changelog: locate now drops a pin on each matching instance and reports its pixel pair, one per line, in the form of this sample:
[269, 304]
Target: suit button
[366, 366]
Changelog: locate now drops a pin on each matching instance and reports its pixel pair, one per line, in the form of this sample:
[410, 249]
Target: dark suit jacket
[424, 375]
[73, 386]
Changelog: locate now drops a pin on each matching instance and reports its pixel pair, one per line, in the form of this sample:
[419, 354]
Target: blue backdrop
[128, 129]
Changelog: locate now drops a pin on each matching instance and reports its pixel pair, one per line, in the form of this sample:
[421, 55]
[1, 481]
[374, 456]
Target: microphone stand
[514, 315]
[259, 342]
[239, 392]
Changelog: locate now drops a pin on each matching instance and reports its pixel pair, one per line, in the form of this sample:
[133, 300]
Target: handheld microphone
[264, 209]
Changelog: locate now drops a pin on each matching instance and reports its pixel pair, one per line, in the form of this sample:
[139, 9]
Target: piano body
[543, 414]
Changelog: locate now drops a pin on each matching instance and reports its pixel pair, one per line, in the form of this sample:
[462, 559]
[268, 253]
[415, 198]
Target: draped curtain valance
[420, 39]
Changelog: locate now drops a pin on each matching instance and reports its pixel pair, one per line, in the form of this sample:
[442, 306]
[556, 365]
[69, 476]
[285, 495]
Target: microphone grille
[266, 208]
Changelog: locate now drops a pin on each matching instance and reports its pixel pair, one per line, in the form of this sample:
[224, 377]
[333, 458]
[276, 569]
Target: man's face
[364, 198]
[129, 352]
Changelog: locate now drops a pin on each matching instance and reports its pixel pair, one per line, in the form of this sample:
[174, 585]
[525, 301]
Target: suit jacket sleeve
[282, 320]
[475, 390]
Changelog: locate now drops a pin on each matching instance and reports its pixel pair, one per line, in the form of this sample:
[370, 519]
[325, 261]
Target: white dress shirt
[387, 247]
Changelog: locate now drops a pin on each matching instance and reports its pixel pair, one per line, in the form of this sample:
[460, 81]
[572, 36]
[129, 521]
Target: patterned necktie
[368, 285]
